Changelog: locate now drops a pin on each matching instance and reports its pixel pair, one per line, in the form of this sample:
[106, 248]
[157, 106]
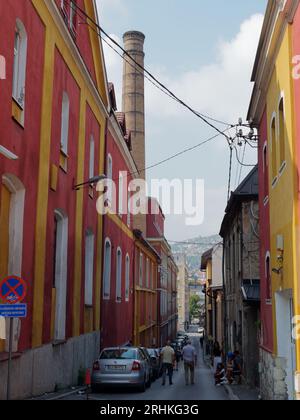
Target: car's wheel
[95, 389]
[142, 388]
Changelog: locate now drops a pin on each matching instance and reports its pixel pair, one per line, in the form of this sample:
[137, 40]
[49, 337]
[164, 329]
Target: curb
[228, 389]
[231, 394]
[53, 397]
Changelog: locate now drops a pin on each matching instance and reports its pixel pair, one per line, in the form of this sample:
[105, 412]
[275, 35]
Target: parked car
[145, 351]
[201, 331]
[128, 367]
[155, 362]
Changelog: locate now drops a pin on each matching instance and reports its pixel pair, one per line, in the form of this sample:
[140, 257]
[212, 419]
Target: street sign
[13, 290]
[13, 311]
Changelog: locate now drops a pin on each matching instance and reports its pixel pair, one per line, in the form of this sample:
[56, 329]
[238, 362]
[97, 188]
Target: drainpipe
[225, 302]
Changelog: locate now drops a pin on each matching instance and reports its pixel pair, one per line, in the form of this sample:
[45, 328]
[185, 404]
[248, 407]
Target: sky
[204, 52]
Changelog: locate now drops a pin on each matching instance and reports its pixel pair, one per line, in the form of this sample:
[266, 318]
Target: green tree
[195, 304]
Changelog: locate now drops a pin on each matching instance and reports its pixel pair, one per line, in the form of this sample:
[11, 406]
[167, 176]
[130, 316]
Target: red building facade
[54, 106]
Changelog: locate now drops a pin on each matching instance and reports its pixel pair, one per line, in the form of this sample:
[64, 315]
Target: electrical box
[280, 243]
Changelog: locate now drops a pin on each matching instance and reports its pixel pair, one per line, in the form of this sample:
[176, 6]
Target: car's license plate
[117, 367]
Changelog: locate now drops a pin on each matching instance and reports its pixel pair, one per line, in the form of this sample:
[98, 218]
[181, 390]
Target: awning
[251, 291]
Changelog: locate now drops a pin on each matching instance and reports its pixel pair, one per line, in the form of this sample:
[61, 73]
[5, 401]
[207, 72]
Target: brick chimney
[134, 105]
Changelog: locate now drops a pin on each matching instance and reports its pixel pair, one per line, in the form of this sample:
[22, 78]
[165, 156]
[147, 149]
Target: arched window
[107, 270]
[119, 276]
[65, 116]
[127, 278]
[121, 193]
[273, 149]
[265, 168]
[20, 59]
[92, 158]
[60, 272]
[89, 267]
[281, 133]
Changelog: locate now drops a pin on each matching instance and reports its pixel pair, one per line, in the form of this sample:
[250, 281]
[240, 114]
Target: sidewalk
[241, 393]
[60, 394]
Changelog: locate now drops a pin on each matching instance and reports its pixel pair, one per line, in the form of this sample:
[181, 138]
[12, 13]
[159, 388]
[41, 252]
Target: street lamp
[90, 182]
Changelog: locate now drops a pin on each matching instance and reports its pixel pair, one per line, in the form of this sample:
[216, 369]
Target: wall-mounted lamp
[90, 182]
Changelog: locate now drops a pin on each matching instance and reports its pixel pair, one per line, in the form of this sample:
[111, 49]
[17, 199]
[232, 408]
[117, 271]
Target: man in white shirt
[168, 359]
[190, 360]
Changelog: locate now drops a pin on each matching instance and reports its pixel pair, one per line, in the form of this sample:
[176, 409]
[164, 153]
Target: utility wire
[241, 169]
[230, 173]
[199, 115]
[189, 149]
[241, 163]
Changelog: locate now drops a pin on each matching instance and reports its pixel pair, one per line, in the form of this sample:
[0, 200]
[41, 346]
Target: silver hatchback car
[125, 366]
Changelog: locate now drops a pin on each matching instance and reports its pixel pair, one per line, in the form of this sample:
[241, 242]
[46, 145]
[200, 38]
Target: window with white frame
[92, 158]
[73, 17]
[107, 270]
[141, 270]
[121, 193]
[19, 68]
[119, 276]
[65, 116]
[109, 177]
[127, 278]
[89, 267]
[147, 273]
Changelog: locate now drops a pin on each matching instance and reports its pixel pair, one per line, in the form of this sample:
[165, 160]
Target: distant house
[240, 232]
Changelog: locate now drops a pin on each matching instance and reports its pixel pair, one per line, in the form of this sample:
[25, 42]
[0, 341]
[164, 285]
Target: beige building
[183, 295]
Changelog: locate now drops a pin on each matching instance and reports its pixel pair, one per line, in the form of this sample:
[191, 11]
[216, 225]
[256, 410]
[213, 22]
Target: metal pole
[11, 325]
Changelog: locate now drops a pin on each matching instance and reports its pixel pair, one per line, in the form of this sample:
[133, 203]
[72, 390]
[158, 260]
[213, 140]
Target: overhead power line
[79, 11]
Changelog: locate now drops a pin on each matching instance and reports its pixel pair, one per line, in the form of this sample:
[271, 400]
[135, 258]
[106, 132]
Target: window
[109, 177]
[266, 178]
[89, 267]
[273, 149]
[141, 270]
[60, 273]
[107, 270]
[19, 67]
[65, 115]
[121, 193]
[119, 276]
[92, 158]
[147, 273]
[127, 278]
[73, 17]
[129, 213]
[281, 133]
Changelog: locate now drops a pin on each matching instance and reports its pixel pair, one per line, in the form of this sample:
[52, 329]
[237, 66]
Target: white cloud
[114, 67]
[220, 89]
[106, 7]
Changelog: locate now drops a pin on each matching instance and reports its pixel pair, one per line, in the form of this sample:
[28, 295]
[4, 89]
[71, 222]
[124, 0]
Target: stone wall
[48, 368]
[272, 377]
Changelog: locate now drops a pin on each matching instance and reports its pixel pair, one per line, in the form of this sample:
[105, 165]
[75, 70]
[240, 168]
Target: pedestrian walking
[168, 360]
[190, 360]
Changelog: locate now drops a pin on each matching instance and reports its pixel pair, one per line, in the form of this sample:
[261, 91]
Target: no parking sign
[13, 290]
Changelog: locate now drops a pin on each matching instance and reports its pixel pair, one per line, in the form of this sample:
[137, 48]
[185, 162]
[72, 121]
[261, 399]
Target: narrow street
[204, 389]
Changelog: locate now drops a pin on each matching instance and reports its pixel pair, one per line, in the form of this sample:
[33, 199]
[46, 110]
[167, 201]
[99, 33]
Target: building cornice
[279, 14]
[77, 57]
[117, 134]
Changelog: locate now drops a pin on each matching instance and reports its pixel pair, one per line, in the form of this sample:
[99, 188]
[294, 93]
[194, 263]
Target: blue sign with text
[13, 311]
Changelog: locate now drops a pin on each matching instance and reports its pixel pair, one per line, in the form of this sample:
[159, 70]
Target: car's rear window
[152, 352]
[119, 354]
